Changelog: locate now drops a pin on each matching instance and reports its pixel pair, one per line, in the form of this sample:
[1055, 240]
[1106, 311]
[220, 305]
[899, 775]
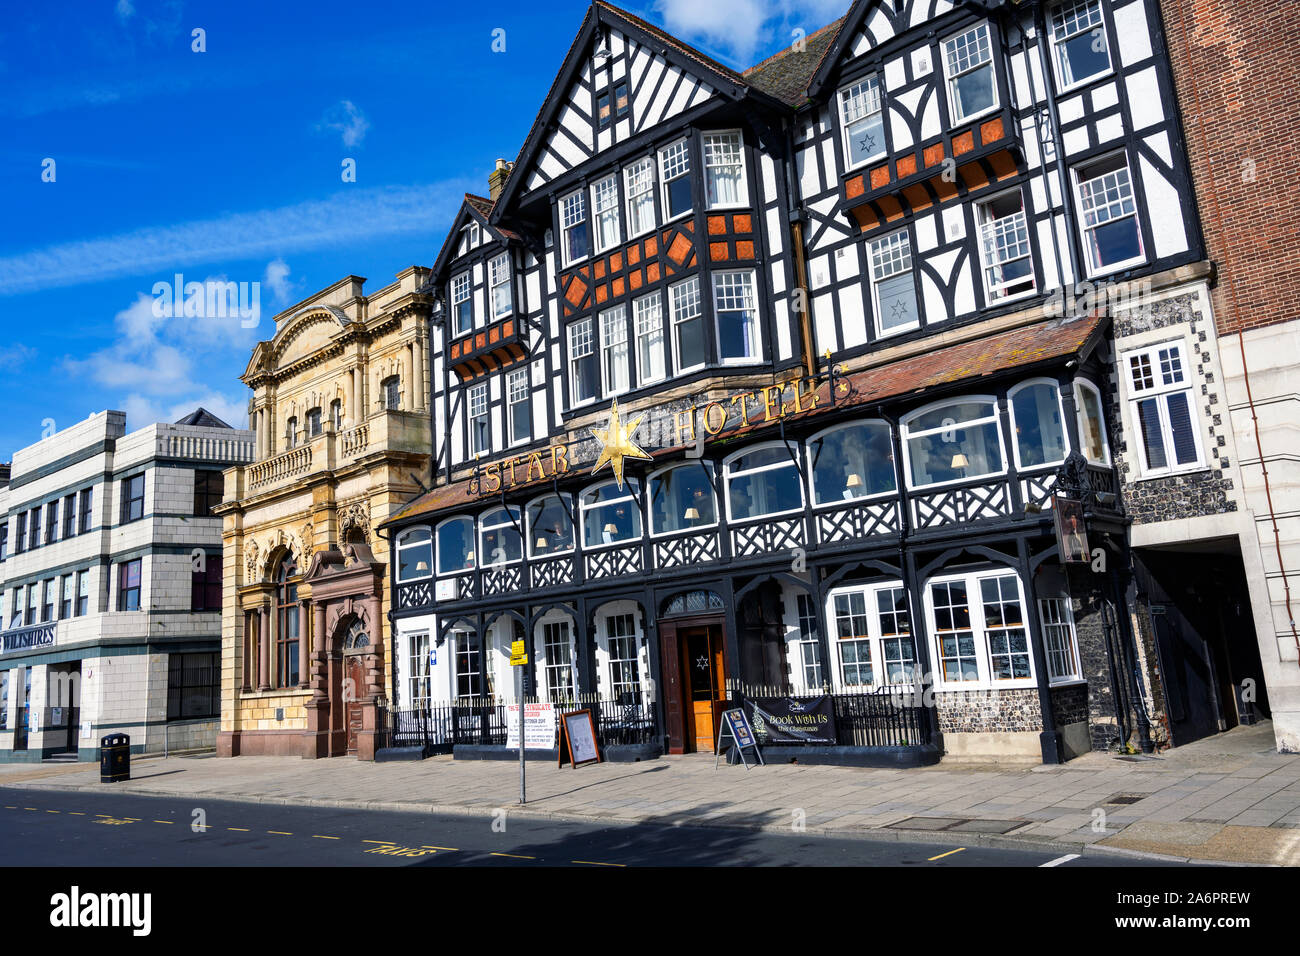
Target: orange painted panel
[742, 223]
[718, 251]
[991, 131]
[854, 188]
[907, 166]
[963, 144]
[744, 249]
[717, 225]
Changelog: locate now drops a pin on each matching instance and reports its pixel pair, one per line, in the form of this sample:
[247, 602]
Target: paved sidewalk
[1229, 798]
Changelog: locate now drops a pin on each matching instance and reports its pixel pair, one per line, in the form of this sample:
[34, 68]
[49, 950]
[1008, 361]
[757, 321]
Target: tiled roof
[965, 363]
[786, 75]
[201, 416]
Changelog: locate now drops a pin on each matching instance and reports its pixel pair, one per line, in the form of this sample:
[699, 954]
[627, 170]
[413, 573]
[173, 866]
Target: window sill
[1116, 267]
[963, 120]
[1079, 85]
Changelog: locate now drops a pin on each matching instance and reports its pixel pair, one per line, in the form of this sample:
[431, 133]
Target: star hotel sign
[617, 444]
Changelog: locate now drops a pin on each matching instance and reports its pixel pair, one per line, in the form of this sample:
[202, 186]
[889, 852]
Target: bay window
[953, 441]
[462, 304]
[688, 325]
[1079, 43]
[584, 374]
[1162, 409]
[499, 284]
[675, 174]
[873, 635]
[604, 204]
[682, 499]
[736, 311]
[968, 65]
[1038, 424]
[649, 338]
[724, 170]
[863, 121]
[576, 243]
[414, 554]
[1092, 427]
[550, 528]
[455, 545]
[980, 632]
[852, 461]
[500, 542]
[639, 188]
[1004, 246]
[1112, 237]
[892, 284]
[610, 515]
[519, 406]
[613, 350]
[762, 482]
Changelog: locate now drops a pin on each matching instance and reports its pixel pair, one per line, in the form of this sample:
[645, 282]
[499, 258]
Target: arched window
[391, 388]
[414, 554]
[610, 515]
[682, 499]
[953, 441]
[852, 461]
[763, 481]
[286, 625]
[456, 545]
[291, 433]
[336, 413]
[499, 540]
[1092, 424]
[313, 422]
[550, 529]
[1038, 423]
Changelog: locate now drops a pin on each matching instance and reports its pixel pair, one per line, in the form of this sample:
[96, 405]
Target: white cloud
[15, 356]
[277, 280]
[351, 216]
[735, 30]
[125, 11]
[345, 117]
[142, 411]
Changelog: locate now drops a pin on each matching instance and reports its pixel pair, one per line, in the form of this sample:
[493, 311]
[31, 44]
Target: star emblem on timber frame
[702, 662]
[868, 143]
[617, 444]
[899, 309]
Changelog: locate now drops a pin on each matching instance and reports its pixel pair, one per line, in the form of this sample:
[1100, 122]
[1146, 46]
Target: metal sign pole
[523, 797]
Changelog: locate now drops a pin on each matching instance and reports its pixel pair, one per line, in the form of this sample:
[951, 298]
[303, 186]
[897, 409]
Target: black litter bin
[114, 758]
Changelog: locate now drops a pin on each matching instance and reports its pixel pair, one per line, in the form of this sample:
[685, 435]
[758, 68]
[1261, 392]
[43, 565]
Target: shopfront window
[873, 632]
[954, 441]
[414, 554]
[980, 630]
[1037, 420]
[550, 528]
[682, 499]
[763, 482]
[499, 540]
[852, 461]
[610, 515]
[456, 545]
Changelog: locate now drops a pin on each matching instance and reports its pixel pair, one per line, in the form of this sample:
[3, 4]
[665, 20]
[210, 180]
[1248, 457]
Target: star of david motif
[899, 309]
[702, 662]
[868, 143]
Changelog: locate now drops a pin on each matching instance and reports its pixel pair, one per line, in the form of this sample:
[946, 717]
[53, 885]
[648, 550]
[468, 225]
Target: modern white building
[110, 586]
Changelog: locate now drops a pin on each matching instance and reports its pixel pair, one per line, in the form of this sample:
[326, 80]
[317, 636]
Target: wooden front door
[703, 671]
[356, 685]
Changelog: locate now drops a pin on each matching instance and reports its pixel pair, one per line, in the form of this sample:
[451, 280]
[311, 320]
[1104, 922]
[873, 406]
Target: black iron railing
[890, 716]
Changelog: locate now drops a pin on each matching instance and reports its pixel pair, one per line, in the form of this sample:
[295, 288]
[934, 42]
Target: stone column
[264, 648]
[417, 376]
[246, 663]
[304, 679]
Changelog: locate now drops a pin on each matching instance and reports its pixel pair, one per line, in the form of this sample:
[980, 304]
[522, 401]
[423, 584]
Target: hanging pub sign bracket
[735, 727]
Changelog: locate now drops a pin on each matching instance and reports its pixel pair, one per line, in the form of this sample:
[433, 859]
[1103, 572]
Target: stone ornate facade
[341, 413]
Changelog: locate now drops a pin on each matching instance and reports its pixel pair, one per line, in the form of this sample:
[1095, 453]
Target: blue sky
[225, 164]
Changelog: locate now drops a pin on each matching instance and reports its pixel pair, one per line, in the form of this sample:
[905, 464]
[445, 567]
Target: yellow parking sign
[518, 655]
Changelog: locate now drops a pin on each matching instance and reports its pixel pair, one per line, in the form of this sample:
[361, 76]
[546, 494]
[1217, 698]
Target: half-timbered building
[801, 382]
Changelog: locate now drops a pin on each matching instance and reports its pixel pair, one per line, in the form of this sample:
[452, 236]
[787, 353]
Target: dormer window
[573, 227]
[968, 63]
[462, 304]
[499, 280]
[675, 174]
[473, 234]
[863, 120]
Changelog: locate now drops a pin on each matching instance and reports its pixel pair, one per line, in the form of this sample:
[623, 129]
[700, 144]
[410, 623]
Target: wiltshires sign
[25, 638]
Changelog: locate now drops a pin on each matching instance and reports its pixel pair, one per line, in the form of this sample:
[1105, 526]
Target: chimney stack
[497, 179]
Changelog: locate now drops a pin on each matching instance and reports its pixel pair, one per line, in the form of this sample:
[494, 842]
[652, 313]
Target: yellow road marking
[11, 808]
[942, 855]
[74, 813]
[595, 863]
[168, 822]
[514, 856]
[238, 829]
[427, 847]
[381, 842]
[280, 832]
[29, 808]
[51, 811]
[317, 836]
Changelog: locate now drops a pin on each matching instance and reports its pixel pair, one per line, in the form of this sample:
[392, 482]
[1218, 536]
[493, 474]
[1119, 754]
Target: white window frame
[950, 76]
[568, 221]
[877, 263]
[979, 631]
[478, 406]
[1082, 385]
[606, 191]
[608, 638]
[614, 336]
[1060, 408]
[499, 278]
[419, 677]
[848, 97]
[723, 138]
[649, 320]
[713, 490]
[1054, 628]
[674, 292]
[475, 544]
[664, 181]
[404, 544]
[1060, 31]
[905, 433]
[812, 471]
[1160, 391]
[578, 341]
[747, 292]
[789, 460]
[1084, 229]
[548, 667]
[635, 188]
[990, 228]
[630, 493]
[518, 390]
[875, 636]
[483, 528]
[462, 290]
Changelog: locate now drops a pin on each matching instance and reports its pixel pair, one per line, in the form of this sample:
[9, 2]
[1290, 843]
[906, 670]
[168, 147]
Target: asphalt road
[49, 828]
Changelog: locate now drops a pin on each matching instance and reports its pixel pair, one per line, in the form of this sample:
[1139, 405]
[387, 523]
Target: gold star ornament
[617, 444]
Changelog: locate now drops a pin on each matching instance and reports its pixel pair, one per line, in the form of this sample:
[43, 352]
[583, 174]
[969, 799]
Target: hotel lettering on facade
[782, 382]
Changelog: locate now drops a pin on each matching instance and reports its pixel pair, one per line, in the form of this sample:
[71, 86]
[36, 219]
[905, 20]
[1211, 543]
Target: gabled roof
[722, 78]
[479, 209]
[204, 418]
[786, 74]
